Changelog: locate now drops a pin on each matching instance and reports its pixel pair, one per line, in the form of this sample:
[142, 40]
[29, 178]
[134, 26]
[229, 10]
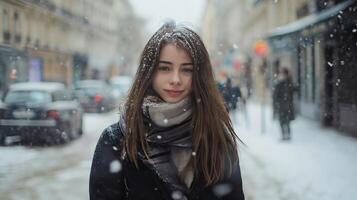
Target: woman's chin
[172, 99]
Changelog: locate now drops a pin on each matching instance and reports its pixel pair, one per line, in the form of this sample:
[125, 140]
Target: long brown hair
[214, 139]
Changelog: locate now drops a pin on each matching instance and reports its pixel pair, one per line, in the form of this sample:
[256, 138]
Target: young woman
[174, 139]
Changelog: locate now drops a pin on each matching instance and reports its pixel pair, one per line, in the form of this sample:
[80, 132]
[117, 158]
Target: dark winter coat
[143, 183]
[231, 96]
[283, 100]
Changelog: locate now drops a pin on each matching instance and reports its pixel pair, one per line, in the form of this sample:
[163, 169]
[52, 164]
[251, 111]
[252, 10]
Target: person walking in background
[231, 95]
[174, 138]
[283, 102]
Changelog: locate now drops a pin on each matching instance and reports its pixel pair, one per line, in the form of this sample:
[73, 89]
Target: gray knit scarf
[166, 114]
[168, 128]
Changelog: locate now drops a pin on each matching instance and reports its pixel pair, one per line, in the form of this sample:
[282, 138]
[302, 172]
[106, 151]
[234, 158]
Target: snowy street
[52, 172]
[173, 70]
[316, 164]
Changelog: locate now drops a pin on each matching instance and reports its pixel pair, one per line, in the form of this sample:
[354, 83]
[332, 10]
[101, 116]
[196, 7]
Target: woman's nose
[175, 78]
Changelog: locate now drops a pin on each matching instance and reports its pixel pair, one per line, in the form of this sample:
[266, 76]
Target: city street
[316, 164]
[52, 172]
[65, 66]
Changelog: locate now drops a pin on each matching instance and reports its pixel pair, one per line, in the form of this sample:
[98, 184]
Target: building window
[6, 29]
[17, 27]
[28, 40]
[5, 20]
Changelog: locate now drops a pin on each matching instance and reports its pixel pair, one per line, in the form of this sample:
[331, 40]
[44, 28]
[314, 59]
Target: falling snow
[177, 195]
[222, 189]
[115, 166]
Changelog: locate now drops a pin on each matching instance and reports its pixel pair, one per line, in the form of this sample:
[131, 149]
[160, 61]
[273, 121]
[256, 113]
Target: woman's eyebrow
[185, 64]
[165, 62]
[170, 63]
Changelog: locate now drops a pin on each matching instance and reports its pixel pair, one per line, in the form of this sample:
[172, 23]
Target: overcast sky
[155, 12]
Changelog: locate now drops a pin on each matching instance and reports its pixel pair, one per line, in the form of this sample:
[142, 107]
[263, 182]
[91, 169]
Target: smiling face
[173, 76]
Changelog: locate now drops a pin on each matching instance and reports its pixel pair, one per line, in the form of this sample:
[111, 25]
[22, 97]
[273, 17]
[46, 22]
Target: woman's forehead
[180, 45]
[172, 51]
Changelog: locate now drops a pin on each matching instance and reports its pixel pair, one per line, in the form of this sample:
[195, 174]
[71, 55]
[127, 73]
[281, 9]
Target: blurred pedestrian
[174, 138]
[231, 95]
[283, 102]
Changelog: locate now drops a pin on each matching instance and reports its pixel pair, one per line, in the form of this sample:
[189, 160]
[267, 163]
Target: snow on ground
[318, 163]
[57, 172]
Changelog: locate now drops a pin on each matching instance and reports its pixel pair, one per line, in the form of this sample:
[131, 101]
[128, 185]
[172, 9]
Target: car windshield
[89, 90]
[90, 84]
[27, 97]
[123, 84]
[90, 87]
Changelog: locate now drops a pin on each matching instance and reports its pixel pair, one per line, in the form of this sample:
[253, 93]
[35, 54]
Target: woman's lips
[174, 93]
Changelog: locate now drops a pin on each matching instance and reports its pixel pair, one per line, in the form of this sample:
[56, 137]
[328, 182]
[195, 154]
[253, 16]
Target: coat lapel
[198, 184]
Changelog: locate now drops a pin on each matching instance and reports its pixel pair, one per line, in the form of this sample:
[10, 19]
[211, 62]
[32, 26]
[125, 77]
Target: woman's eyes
[167, 68]
[164, 68]
[188, 70]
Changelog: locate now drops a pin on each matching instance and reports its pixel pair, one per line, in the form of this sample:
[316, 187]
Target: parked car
[39, 113]
[120, 86]
[95, 96]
